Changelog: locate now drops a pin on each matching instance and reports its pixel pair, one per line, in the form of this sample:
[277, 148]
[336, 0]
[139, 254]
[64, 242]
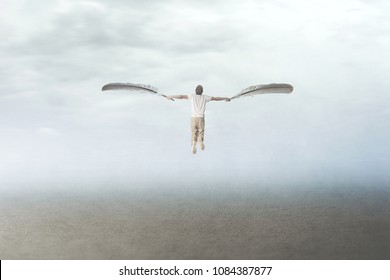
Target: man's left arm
[171, 97]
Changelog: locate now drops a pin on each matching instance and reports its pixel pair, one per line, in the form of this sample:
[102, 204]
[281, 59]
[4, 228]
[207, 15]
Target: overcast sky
[57, 125]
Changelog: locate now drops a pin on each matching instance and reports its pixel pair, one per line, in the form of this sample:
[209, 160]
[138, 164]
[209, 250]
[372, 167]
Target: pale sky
[58, 126]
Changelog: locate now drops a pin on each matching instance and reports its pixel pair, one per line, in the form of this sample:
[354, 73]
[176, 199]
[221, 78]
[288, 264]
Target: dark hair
[199, 90]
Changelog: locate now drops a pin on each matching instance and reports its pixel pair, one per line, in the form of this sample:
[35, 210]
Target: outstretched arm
[171, 97]
[220, 99]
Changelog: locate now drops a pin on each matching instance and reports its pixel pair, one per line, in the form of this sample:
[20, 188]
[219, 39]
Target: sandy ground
[197, 223]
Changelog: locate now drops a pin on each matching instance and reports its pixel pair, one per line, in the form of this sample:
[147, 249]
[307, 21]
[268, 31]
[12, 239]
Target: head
[199, 90]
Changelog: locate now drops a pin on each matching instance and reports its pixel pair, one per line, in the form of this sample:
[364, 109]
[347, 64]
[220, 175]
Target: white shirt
[198, 104]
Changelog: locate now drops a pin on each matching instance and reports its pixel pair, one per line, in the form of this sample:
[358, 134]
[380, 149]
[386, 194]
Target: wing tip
[108, 86]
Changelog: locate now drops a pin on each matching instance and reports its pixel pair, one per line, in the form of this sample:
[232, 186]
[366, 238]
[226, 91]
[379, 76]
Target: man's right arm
[227, 99]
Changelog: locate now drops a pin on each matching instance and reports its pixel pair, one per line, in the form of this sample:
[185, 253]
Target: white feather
[130, 86]
[263, 89]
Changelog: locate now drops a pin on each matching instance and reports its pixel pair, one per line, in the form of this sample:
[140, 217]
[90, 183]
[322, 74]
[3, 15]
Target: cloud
[62, 52]
[47, 131]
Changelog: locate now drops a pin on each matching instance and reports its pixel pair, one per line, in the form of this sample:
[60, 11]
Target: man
[198, 107]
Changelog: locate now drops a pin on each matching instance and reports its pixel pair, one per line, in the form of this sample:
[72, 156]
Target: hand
[227, 100]
[169, 98]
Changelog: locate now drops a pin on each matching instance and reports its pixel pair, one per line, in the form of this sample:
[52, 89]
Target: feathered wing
[263, 89]
[132, 87]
